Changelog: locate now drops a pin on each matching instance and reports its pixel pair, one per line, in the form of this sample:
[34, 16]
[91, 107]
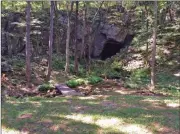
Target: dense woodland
[121, 49]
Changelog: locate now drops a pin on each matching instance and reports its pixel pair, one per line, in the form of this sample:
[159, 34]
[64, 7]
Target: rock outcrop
[13, 31]
[120, 36]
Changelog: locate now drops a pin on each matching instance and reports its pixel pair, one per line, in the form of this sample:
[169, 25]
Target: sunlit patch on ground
[173, 104]
[10, 131]
[111, 123]
[96, 114]
[134, 129]
[163, 104]
[94, 97]
[177, 74]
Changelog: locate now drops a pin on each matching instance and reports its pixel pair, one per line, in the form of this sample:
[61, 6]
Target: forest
[90, 67]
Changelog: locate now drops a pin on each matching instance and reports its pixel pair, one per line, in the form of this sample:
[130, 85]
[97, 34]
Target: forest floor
[115, 110]
[108, 108]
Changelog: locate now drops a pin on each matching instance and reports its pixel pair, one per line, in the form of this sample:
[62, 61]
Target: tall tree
[76, 43]
[68, 34]
[147, 29]
[50, 41]
[28, 47]
[42, 4]
[57, 30]
[154, 48]
[84, 31]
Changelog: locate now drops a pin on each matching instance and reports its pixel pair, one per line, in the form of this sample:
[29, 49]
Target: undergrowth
[80, 81]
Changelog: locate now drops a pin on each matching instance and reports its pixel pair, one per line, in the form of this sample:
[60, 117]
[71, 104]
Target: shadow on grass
[93, 114]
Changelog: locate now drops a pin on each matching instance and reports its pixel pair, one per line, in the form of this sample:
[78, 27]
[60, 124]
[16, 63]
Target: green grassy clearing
[98, 114]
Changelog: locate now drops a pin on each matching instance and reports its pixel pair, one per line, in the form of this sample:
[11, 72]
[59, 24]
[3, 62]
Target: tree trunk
[12, 4]
[76, 43]
[84, 28]
[55, 6]
[147, 28]
[28, 45]
[50, 41]
[147, 15]
[68, 35]
[9, 44]
[170, 14]
[57, 30]
[89, 51]
[154, 48]
[42, 3]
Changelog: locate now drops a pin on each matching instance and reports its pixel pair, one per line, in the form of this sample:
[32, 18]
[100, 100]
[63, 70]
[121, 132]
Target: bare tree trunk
[154, 48]
[170, 14]
[42, 3]
[57, 30]
[68, 35]
[12, 4]
[9, 44]
[89, 51]
[84, 28]
[28, 45]
[55, 6]
[147, 14]
[76, 43]
[147, 28]
[50, 41]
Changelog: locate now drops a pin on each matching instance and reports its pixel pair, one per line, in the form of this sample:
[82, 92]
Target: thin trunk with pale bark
[76, 43]
[68, 35]
[50, 41]
[28, 45]
[84, 28]
[147, 28]
[154, 48]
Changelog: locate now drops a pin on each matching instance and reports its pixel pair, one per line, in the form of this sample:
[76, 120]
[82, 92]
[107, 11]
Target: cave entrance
[111, 47]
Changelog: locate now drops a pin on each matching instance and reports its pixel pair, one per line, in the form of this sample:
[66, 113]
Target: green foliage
[138, 78]
[94, 79]
[45, 87]
[80, 81]
[58, 62]
[113, 74]
[139, 74]
[75, 82]
[128, 3]
[167, 82]
[18, 64]
[58, 65]
[117, 66]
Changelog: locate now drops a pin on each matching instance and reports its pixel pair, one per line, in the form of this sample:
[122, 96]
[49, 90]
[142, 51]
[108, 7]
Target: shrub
[45, 87]
[58, 64]
[18, 64]
[75, 82]
[113, 74]
[139, 74]
[94, 79]
[117, 66]
[138, 78]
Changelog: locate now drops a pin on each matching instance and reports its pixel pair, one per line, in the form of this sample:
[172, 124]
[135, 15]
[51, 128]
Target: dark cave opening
[111, 47]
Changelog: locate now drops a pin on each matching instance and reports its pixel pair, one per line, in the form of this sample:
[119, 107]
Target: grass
[92, 115]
